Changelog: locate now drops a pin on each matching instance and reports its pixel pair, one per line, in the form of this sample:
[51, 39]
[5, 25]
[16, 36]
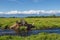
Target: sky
[29, 6]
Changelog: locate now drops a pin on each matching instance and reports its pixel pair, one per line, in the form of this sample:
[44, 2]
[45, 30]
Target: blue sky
[25, 5]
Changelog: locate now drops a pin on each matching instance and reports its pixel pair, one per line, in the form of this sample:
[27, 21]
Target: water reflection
[12, 32]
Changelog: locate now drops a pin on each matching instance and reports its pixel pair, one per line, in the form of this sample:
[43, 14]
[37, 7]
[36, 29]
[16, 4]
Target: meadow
[39, 23]
[40, 36]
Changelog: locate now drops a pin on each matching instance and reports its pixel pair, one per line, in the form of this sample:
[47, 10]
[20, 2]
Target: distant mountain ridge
[26, 15]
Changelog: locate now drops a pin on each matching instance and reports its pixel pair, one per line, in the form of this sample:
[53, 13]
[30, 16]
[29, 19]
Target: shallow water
[12, 32]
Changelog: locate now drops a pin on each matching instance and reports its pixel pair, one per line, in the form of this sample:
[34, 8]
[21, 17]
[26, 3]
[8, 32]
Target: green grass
[39, 23]
[44, 22]
[40, 36]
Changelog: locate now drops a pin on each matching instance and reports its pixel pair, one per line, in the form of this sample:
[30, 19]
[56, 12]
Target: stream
[12, 32]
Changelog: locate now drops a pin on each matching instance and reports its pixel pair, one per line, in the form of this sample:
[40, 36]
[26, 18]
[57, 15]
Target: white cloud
[12, 12]
[50, 11]
[1, 12]
[32, 12]
[23, 12]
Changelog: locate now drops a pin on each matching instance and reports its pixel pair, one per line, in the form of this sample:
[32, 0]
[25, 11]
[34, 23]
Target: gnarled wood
[17, 25]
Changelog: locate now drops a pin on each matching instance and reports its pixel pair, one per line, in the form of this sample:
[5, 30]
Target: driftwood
[17, 25]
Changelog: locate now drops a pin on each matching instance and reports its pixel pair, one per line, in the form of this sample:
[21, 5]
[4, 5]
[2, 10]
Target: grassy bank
[40, 36]
[39, 23]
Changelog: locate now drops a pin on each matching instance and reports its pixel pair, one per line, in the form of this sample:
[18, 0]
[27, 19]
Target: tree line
[51, 16]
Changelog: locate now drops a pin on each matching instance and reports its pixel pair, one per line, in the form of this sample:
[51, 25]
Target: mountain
[26, 15]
